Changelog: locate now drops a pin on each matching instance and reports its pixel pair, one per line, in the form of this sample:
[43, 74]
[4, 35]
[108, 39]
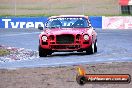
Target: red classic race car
[67, 33]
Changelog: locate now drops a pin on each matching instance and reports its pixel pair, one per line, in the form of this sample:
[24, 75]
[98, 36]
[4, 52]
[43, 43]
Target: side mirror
[40, 27]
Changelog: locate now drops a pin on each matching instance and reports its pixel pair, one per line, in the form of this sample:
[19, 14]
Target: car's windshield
[67, 22]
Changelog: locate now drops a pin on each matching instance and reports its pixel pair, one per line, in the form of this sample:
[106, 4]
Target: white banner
[117, 22]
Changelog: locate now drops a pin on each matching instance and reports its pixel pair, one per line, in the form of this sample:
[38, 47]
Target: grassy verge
[4, 52]
[27, 15]
[48, 15]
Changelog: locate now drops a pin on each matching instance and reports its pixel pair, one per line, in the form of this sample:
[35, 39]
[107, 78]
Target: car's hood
[58, 31]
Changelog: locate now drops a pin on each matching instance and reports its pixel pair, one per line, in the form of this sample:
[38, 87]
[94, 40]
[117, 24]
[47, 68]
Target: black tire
[42, 52]
[91, 49]
[95, 46]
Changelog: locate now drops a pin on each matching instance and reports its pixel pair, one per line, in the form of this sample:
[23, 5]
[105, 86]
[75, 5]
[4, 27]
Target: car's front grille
[65, 39]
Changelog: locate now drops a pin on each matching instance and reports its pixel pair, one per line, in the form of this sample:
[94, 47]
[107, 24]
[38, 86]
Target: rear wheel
[95, 46]
[43, 52]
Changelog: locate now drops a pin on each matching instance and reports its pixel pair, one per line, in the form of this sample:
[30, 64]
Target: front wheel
[91, 49]
[42, 52]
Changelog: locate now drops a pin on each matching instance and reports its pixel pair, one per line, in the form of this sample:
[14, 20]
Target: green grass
[63, 7]
[87, 14]
[6, 7]
[117, 15]
[4, 52]
[48, 15]
[27, 15]
[27, 8]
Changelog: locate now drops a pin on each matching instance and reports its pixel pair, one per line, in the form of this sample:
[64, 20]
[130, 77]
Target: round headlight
[86, 37]
[44, 38]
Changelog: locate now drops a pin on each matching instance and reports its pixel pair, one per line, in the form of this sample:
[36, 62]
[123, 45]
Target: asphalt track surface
[113, 46]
